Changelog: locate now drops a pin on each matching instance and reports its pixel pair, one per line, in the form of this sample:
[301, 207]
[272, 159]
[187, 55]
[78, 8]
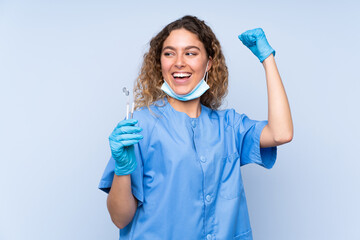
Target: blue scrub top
[188, 180]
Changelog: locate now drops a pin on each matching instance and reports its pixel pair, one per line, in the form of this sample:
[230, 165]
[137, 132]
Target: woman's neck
[192, 108]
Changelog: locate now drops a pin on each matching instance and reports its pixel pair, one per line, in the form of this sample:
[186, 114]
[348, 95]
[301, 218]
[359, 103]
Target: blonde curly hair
[148, 84]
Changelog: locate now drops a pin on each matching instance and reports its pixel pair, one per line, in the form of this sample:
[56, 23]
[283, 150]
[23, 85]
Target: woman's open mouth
[181, 76]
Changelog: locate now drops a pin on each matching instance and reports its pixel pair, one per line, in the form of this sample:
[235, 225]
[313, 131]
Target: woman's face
[183, 61]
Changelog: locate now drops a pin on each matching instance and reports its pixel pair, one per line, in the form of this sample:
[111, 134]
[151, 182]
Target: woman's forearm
[279, 116]
[121, 202]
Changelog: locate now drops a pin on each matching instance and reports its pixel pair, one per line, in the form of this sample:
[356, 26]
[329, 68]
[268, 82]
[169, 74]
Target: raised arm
[279, 129]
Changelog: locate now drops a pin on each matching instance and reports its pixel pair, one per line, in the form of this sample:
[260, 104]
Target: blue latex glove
[256, 41]
[122, 141]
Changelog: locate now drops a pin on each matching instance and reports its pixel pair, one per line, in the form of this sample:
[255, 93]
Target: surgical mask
[199, 90]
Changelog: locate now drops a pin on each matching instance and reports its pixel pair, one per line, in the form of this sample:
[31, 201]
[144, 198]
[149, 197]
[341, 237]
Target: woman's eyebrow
[186, 48]
[189, 47]
[168, 47]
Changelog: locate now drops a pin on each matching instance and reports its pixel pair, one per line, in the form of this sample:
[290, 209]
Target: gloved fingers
[127, 122]
[247, 40]
[127, 130]
[250, 37]
[127, 143]
[124, 137]
[256, 32]
[119, 146]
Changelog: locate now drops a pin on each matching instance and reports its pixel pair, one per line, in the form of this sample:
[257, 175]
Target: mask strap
[206, 72]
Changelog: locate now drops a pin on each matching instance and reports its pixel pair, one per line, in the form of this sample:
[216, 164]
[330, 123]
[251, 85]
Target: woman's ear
[209, 64]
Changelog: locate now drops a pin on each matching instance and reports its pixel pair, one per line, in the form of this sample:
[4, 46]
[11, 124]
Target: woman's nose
[180, 62]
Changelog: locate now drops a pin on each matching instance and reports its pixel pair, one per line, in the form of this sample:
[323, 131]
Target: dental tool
[127, 93]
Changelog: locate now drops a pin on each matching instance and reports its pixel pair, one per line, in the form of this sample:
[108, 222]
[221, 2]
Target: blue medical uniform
[188, 180]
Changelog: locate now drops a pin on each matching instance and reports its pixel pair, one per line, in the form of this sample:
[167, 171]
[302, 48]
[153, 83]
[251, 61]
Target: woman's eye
[191, 54]
[168, 54]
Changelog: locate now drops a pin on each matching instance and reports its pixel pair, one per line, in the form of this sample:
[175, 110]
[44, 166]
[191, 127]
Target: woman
[177, 173]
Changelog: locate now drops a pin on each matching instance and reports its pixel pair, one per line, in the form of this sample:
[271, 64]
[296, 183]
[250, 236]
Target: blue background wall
[63, 65]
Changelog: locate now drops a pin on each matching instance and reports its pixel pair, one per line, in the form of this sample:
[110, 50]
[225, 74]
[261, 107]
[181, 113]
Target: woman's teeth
[181, 75]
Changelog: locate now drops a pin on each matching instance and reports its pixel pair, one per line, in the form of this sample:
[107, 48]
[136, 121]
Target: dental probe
[127, 93]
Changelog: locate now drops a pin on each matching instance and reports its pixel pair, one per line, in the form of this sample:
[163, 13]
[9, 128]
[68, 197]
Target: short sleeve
[248, 142]
[107, 177]
[136, 177]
